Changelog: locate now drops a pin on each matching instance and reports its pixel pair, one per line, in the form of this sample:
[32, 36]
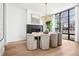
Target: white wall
[1, 20]
[15, 23]
[16, 20]
[77, 24]
[2, 48]
[1, 30]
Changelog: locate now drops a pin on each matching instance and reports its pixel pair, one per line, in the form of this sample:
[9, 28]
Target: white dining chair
[44, 41]
[31, 42]
[53, 39]
[59, 38]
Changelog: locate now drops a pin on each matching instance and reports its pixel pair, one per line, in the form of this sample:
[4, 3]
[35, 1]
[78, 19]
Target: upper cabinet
[34, 18]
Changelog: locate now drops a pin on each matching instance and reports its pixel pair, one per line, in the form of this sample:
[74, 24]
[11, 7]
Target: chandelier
[46, 17]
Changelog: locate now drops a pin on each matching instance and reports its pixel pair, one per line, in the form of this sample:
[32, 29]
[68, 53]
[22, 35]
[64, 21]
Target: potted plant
[48, 25]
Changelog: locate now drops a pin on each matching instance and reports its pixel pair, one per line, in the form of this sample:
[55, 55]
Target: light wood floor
[68, 48]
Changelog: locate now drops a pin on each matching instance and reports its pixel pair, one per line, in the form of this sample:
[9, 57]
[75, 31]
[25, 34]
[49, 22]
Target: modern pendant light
[46, 17]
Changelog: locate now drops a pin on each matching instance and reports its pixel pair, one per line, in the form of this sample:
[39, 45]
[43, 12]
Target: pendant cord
[46, 9]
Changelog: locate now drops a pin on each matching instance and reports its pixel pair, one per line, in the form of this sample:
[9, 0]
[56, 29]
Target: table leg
[38, 43]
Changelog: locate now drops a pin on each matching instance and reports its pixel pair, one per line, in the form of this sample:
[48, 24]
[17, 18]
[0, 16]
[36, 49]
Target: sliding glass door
[65, 23]
[72, 24]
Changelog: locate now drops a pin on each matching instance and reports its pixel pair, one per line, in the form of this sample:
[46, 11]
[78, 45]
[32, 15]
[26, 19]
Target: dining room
[44, 32]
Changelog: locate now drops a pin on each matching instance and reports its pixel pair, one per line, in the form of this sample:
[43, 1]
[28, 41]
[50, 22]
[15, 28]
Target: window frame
[68, 22]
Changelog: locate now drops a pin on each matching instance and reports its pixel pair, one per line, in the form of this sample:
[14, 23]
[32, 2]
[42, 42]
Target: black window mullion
[59, 22]
[68, 26]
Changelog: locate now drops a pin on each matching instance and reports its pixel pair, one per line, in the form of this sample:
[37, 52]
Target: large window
[72, 21]
[72, 24]
[64, 22]
[57, 22]
[67, 26]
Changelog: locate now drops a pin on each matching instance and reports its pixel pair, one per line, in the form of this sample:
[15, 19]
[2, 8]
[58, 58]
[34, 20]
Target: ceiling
[40, 7]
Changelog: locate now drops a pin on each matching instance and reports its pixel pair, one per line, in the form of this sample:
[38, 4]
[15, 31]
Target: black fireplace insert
[34, 28]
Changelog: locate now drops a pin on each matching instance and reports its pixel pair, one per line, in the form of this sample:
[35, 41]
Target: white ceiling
[40, 7]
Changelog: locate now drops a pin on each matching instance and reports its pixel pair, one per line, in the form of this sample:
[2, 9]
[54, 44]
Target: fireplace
[34, 28]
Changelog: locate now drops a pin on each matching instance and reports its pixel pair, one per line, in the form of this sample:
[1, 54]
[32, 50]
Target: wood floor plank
[68, 48]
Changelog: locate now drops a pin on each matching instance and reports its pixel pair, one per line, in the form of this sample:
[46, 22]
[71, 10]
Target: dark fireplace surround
[34, 28]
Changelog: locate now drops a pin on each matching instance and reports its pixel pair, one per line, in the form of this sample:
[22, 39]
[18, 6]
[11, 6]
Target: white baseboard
[2, 51]
[18, 39]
